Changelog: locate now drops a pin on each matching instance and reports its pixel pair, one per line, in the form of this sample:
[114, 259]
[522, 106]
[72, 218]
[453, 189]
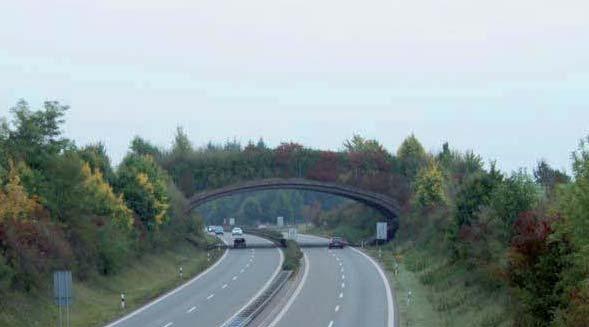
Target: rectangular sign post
[381, 231]
[292, 234]
[381, 235]
[279, 221]
[232, 221]
[62, 293]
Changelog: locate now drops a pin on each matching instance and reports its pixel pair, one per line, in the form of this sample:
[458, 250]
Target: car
[211, 228]
[239, 242]
[219, 230]
[237, 231]
[337, 242]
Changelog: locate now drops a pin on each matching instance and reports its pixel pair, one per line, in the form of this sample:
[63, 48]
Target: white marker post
[181, 273]
[123, 301]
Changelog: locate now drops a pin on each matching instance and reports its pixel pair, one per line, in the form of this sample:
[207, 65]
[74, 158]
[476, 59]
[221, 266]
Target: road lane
[343, 288]
[215, 296]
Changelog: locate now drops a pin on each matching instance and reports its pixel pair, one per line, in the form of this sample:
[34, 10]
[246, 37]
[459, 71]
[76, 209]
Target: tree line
[522, 232]
[64, 206]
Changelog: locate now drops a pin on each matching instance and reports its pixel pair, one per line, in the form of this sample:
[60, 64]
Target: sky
[507, 79]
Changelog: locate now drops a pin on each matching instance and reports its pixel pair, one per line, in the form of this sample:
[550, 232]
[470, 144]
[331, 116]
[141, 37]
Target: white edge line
[294, 295]
[391, 312]
[261, 290]
[172, 292]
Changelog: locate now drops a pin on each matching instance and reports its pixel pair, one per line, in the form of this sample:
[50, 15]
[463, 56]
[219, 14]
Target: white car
[237, 231]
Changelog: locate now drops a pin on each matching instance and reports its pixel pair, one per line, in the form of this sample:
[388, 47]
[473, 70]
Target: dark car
[337, 242]
[239, 243]
[219, 230]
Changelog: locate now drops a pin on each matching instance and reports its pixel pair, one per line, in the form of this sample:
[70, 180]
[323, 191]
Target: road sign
[232, 221]
[62, 287]
[62, 293]
[292, 234]
[381, 231]
[279, 221]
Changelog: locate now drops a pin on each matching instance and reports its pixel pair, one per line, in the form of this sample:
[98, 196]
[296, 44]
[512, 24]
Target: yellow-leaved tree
[15, 203]
[102, 200]
[429, 186]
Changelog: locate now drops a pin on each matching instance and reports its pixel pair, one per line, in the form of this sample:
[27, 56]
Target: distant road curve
[215, 295]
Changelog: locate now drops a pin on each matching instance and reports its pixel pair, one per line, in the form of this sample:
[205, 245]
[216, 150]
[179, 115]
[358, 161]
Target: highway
[213, 297]
[340, 288]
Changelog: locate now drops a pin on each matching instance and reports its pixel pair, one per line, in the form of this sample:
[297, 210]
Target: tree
[182, 145]
[475, 193]
[512, 197]
[412, 156]
[15, 203]
[100, 199]
[142, 147]
[37, 134]
[429, 186]
[95, 155]
[143, 185]
[536, 261]
[548, 177]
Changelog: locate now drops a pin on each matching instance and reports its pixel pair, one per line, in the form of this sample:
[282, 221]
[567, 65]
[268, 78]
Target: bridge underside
[384, 204]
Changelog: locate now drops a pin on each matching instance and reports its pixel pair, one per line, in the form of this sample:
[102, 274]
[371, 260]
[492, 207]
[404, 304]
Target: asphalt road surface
[215, 296]
[342, 288]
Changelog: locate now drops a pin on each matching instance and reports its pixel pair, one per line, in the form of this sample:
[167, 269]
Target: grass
[442, 294]
[97, 301]
[292, 256]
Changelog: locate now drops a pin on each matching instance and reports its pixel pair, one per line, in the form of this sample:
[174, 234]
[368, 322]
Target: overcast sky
[508, 79]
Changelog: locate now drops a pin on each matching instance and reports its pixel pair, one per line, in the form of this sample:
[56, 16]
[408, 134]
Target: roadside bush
[292, 256]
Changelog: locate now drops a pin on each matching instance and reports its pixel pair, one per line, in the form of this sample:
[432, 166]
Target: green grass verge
[292, 256]
[442, 294]
[97, 301]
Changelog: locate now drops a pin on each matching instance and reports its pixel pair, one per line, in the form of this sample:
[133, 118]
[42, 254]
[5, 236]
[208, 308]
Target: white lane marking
[341, 295]
[224, 286]
[241, 271]
[247, 266]
[234, 278]
[391, 305]
[343, 285]
[294, 295]
[330, 324]
[336, 308]
[341, 264]
[262, 290]
[172, 292]
[168, 324]
[210, 296]
[191, 310]
[343, 277]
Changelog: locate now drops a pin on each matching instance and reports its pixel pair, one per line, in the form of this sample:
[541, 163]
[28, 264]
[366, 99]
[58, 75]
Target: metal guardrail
[248, 314]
